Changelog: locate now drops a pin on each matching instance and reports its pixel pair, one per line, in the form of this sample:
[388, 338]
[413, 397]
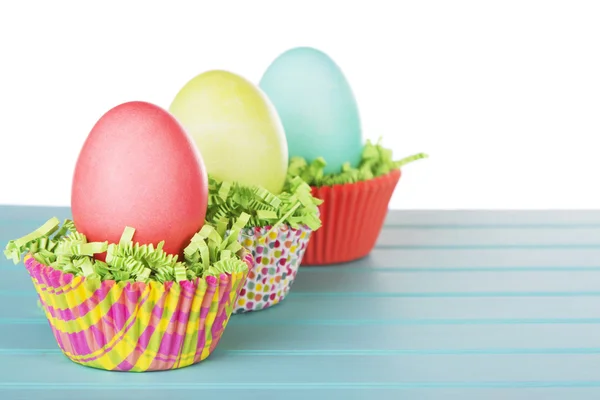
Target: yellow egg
[236, 129]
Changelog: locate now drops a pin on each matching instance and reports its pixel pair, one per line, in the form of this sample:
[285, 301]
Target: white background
[503, 95]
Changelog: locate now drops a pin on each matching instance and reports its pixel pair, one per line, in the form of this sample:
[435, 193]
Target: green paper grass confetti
[209, 253]
[376, 161]
[296, 206]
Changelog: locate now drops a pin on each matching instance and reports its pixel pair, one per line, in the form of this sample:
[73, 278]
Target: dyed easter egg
[236, 128]
[316, 106]
[139, 168]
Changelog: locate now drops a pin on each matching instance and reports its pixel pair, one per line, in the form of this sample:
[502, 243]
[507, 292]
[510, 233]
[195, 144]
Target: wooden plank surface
[450, 305]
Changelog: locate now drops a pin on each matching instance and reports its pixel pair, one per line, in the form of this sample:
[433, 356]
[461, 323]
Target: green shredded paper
[295, 206]
[211, 251]
[376, 161]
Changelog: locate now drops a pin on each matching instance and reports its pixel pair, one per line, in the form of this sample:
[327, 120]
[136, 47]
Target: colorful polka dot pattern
[277, 256]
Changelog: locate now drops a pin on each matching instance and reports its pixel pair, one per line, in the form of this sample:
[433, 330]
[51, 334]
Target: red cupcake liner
[352, 216]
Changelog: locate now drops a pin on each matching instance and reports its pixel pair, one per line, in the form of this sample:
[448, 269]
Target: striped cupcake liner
[122, 326]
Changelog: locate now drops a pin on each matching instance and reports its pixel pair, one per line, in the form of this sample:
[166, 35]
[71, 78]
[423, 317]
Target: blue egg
[316, 106]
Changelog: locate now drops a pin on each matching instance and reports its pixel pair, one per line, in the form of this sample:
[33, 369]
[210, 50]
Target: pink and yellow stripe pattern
[136, 326]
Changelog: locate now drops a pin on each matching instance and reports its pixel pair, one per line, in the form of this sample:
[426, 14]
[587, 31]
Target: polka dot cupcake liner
[277, 257]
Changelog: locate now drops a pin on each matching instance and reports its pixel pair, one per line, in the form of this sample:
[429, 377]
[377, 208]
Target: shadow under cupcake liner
[136, 327]
[352, 216]
[277, 256]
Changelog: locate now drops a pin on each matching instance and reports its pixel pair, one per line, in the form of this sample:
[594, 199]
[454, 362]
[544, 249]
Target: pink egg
[138, 167]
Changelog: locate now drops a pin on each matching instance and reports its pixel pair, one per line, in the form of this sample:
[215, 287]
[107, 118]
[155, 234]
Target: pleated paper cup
[121, 326]
[278, 256]
[352, 216]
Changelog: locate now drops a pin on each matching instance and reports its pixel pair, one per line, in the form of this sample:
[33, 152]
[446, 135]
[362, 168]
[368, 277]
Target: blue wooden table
[450, 305]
